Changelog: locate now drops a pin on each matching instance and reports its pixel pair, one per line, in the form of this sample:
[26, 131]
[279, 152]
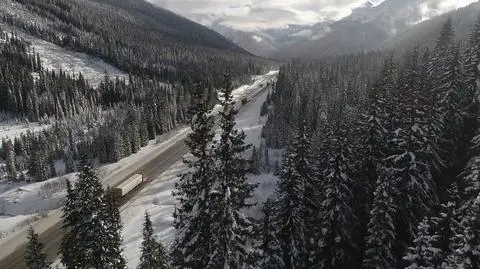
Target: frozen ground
[157, 199]
[23, 203]
[12, 129]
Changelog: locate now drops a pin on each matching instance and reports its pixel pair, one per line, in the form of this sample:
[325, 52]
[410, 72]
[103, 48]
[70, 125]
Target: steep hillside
[425, 33]
[134, 36]
[393, 23]
[364, 29]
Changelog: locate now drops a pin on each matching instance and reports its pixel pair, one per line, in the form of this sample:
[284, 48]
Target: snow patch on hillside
[14, 129]
[56, 58]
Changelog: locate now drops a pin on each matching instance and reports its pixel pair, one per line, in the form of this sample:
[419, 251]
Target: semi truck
[128, 185]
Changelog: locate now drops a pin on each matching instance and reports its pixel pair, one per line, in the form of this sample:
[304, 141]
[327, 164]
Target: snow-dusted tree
[154, 255]
[192, 245]
[381, 234]
[89, 225]
[294, 204]
[271, 251]
[231, 229]
[35, 256]
[10, 158]
[470, 176]
[424, 254]
[466, 242]
[68, 247]
[114, 227]
[336, 217]
[255, 161]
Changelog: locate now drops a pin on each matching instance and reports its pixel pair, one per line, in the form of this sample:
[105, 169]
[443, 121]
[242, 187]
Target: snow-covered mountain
[268, 42]
[368, 27]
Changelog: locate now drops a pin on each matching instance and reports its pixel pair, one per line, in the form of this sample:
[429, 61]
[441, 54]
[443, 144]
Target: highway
[12, 251]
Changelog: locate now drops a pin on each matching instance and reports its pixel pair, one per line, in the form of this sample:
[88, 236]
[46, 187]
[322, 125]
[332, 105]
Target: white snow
[55, 57]
[23, 203]
[12, 129]
[157, 199]
[257, 38]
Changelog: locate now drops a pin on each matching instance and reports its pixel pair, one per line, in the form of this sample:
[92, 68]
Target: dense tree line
[136, 37]
[108, 122]
[377, 166]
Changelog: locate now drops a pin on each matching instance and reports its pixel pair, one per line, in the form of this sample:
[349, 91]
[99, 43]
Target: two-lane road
[13, 256]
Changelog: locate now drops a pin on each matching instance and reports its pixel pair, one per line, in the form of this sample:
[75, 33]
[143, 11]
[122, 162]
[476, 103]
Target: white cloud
[260, 14]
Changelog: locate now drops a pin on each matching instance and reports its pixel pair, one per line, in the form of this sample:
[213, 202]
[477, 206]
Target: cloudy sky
[260, 14]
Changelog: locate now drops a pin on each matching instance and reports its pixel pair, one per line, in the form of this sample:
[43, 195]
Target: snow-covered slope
[55, 57]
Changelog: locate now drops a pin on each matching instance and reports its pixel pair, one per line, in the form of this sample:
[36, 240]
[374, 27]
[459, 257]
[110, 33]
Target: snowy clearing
[12, 129]
[55, 57]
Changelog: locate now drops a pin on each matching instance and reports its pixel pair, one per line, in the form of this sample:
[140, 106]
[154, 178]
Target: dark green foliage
[230, 192]
[154, 255]
[270, 247]
[92, 221]
[192, 218]
[35, 256]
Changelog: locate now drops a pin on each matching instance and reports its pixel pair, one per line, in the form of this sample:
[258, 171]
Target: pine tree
[92, 240]
[466, 242]
[424, 254]
[230, 192]
[154, 255]
[271, 252]
[381, 233]
[68, 246]
[35, 256]
[10, 159]
[193, 243]
[296, 202]
[114, 227]
[336, 216]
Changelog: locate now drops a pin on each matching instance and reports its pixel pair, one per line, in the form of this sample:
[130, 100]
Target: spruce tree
[271, 251]
[10, 159]
[192, 245]
[92, 239]
[68, 246]
[381, 232]
[230, 191]
[424, 254]
[296, 200]
[336, 217]
[466, 242]
[154, 255]
[35, 256]
[114, 227]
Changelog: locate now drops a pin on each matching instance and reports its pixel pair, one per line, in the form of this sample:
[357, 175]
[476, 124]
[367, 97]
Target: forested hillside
[134, 36]
[165, 55]
[108, 122]
[381, 167]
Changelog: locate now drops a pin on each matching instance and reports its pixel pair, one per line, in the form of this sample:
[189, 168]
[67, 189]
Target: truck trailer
[128, 185]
